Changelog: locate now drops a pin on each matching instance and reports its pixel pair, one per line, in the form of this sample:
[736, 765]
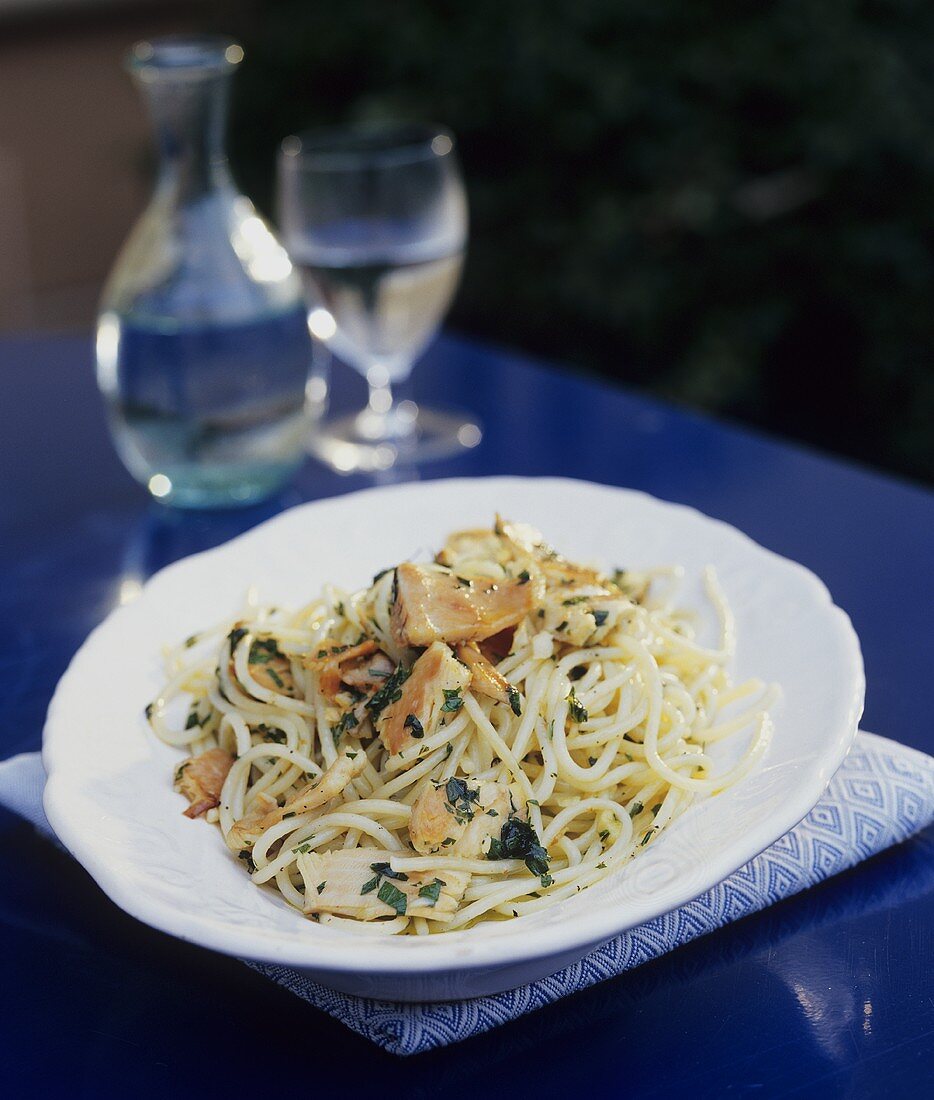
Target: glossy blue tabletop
[829, 993]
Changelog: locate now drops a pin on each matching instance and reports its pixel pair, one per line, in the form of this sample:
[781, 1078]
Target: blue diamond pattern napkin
[882, 794]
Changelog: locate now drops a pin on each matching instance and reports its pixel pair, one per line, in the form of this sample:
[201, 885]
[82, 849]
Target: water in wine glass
[375, 219]
[378, 306]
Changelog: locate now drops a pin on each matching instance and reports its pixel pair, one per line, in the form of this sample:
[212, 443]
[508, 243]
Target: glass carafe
[203, 349]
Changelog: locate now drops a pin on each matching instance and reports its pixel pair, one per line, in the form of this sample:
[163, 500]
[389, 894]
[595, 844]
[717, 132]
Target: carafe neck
[186, 84]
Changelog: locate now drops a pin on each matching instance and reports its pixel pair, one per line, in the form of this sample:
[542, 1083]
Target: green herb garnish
[393, 897]
[264, 650]
[412, 723]
[390, 692]
[387, 872]
[347, 722]
[432, 891]
[518, 840]
[460, 797]
[576, 708]
[515, 702]
[452, 700]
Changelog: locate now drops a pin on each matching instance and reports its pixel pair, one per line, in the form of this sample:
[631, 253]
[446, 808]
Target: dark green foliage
[728, 203]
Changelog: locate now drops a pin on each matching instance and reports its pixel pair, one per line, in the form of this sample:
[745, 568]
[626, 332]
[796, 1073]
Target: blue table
[829, 993]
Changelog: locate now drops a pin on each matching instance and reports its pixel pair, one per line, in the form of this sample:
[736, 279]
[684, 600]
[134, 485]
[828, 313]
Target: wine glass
[375, 219]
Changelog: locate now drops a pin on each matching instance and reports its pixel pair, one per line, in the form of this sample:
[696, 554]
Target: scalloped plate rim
[452, 951]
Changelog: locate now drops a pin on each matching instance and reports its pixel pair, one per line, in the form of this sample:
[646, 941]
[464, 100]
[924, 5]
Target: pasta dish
[467, 739]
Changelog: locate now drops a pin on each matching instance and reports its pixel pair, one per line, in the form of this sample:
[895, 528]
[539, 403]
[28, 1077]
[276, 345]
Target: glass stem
[380, 401]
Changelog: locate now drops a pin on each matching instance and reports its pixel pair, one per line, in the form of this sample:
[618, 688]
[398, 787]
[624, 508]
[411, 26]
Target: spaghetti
[465, 740]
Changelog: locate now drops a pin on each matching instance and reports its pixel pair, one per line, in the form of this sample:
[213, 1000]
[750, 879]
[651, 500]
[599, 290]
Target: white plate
[109, 795]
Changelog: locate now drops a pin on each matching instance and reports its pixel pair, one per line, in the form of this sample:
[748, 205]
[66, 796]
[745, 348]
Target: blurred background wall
[728, 204]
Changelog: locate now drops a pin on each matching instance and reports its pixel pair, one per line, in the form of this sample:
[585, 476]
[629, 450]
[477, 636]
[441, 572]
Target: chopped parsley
[600, 615]
[432, 891]
[149, 709]
[248, 860]
[576, 708]
[452, 700]
[384, 871]
[275, 677]
[321, 886]
[515, 702]
[271, 733]
[573, 600]
[518, 840]
[387, 872]
[459, 796]
[191, 640]
[656, 808]
[264, 650]
[347, 722]
[236, 636]
[412, 723]
[524, 577]
[194, 719]
[390, 692]
[393, 897]
[635, 809]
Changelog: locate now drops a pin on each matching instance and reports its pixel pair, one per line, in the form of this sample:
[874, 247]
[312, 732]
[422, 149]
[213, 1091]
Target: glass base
[368, 441]
[223, 487]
